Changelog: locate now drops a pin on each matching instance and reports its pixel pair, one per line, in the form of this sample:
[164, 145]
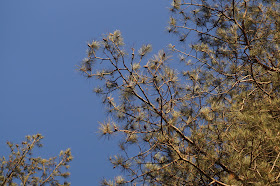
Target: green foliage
[21, 167]
[215, 121]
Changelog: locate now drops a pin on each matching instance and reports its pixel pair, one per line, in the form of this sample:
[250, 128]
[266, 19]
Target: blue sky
[41, 92]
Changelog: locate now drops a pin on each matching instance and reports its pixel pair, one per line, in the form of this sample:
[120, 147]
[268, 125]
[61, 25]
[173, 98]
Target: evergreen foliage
[21, 168]
[217, 122]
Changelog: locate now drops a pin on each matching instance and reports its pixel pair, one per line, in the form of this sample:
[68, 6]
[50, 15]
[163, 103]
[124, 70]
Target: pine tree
[22, 168]
[217, 122]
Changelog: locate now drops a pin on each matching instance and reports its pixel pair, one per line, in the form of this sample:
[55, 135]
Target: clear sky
[41, 41]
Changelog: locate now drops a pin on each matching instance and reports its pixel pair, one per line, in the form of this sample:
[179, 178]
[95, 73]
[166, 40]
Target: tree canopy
[22, 168]
[215, 120]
